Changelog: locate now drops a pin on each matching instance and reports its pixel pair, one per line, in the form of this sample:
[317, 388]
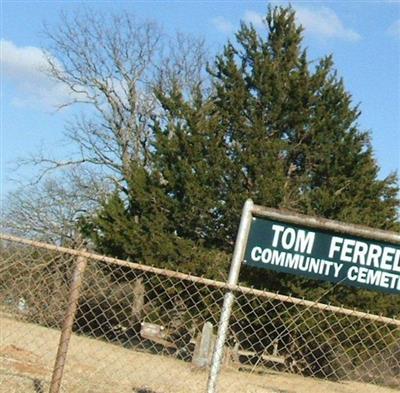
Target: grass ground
[27, 354]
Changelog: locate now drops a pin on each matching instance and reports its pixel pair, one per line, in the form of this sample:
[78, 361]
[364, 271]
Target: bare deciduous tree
[50, 210]
[109, 64]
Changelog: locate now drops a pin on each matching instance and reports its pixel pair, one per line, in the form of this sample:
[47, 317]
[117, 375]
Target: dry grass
[27, 354]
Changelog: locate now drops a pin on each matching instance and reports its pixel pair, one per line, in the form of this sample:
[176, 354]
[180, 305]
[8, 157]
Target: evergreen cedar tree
[276, 128]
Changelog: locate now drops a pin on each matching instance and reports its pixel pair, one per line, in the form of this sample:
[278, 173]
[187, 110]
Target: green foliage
[140, 228]
[277, 128]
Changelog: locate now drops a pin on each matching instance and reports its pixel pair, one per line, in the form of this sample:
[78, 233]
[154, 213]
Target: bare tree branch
[107, 63]
[50, 210]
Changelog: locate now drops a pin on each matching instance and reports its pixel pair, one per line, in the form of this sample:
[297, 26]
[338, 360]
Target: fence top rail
[203, 280]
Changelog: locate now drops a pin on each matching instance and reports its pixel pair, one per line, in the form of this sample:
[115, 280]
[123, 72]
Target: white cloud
[394, 29]
[223, 25]
[24, 67]
[254, 17]
[324, 23]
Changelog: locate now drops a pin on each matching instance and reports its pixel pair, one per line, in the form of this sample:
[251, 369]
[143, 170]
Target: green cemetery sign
[309, 247]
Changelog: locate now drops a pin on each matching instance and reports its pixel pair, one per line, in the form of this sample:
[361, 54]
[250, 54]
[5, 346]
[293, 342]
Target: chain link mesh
[141, 329]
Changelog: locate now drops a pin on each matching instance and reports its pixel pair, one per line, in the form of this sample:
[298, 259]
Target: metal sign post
[237, 259]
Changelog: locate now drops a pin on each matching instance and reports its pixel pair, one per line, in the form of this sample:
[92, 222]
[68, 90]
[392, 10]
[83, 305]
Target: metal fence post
[68, 323]
[237, 258]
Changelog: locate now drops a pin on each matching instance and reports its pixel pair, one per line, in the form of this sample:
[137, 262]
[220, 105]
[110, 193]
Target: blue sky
[363, 36]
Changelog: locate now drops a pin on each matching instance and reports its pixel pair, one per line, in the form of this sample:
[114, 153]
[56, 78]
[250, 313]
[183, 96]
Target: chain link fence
[142, 329]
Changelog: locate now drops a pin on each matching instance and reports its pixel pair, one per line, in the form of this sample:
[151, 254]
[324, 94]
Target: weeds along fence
[144, 329]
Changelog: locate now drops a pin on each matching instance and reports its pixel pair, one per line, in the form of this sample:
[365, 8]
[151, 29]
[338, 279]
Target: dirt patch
[21, 370]
[21, 361]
